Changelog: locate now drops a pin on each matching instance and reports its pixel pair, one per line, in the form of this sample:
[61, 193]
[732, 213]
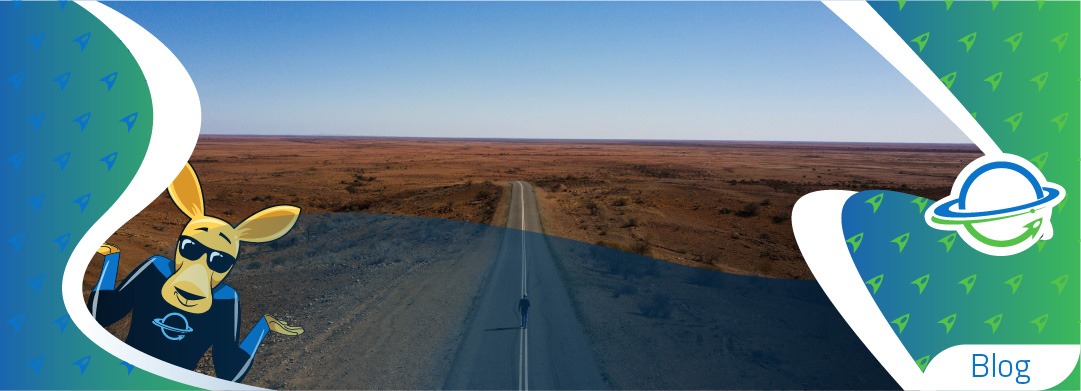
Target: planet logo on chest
[174, 326]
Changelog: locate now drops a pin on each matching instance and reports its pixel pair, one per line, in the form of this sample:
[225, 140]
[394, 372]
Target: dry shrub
[749, 210]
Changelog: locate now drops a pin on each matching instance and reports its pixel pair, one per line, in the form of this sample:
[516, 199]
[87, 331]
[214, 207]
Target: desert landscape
[718, 205]
[721, 206]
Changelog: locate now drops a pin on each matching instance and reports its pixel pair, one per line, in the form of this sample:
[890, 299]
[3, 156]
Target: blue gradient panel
[76, 118]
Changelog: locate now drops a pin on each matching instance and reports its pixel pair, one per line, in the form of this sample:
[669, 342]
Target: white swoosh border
[177, 121]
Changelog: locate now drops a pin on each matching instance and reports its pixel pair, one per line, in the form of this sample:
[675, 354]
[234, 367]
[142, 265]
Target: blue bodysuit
[168, 333]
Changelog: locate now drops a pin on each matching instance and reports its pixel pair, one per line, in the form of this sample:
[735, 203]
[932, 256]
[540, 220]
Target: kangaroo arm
[107, 280]
[106, 304]
[232, 362]
[255, 337]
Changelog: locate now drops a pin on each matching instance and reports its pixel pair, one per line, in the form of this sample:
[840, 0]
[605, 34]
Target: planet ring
[160, 323]
[944, 211]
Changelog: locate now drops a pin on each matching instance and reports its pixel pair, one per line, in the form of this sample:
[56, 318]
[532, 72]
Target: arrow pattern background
[1014, 66]
[72, 142]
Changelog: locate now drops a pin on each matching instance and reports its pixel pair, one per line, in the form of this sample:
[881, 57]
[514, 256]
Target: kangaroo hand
[108, 249]
[281, 327]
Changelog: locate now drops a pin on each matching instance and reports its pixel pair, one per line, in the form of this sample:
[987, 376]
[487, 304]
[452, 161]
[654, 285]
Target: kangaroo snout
[190, 288]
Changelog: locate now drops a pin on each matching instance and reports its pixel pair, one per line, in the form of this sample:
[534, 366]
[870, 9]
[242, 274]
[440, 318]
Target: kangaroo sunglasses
[192, 249]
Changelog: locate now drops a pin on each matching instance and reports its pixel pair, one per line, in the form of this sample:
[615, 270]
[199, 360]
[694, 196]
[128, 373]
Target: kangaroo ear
[268, 224]
[186, 192]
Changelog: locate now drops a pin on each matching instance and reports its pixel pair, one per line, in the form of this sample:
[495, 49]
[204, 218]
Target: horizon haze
[731, 71]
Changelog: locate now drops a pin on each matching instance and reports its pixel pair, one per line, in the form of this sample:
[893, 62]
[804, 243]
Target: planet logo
[173, 326]
[1000, 205]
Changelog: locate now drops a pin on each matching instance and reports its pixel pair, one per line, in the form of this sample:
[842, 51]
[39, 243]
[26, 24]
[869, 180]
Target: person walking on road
[523, 307]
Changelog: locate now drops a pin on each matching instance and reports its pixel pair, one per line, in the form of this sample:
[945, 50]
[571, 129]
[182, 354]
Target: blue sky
[788, 71]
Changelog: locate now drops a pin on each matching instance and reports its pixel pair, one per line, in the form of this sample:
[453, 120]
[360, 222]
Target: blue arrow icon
[37, 40]
[37, 120]
[130, 119]
[37, 363]
[17, 321]
[17, 241]
[82, 40]
[82, 120]
[16, 160]
[37, 282]
[63, 160]
[63, 80]
[17, 79]
[63, 322]
[37, 201]
[83, 201]
[62, 241]
[109, 160]
[82, 363]
[109, 80]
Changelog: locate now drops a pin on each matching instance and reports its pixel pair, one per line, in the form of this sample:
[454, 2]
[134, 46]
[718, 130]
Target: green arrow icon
[901, 323]
[968, 40]
[948, 79]
[1040, 80]
[994, 80]
[922, 362]
[1039, 160]
[1014, 121]
[948, 241]
[855, 241]
[921, 40]
[1031, 229]
[1014, 41]
[901, 4]
[875, 283]
[948, 322]
[1039, 4]
[1060, 40]
[968, 282]
[994, 4]
[921, 202]
[1040, 322]
[949, 3]
[994, 321]
[901, 241]
[1014, 282]
[1060, 282]
[1060, 120]
[875, 202]
[921, 282]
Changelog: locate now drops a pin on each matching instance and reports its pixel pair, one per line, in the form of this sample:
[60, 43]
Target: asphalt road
[553, 352]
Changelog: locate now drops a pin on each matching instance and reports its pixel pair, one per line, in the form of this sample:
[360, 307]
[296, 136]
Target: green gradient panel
[925, 274]
[1015, 67]
[60, 177]
[1047, 50]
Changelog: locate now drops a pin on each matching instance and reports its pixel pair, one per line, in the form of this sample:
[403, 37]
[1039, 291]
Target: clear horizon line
[969, 143]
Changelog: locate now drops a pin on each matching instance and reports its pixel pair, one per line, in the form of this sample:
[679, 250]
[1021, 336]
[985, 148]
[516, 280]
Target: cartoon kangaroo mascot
[181, 308]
